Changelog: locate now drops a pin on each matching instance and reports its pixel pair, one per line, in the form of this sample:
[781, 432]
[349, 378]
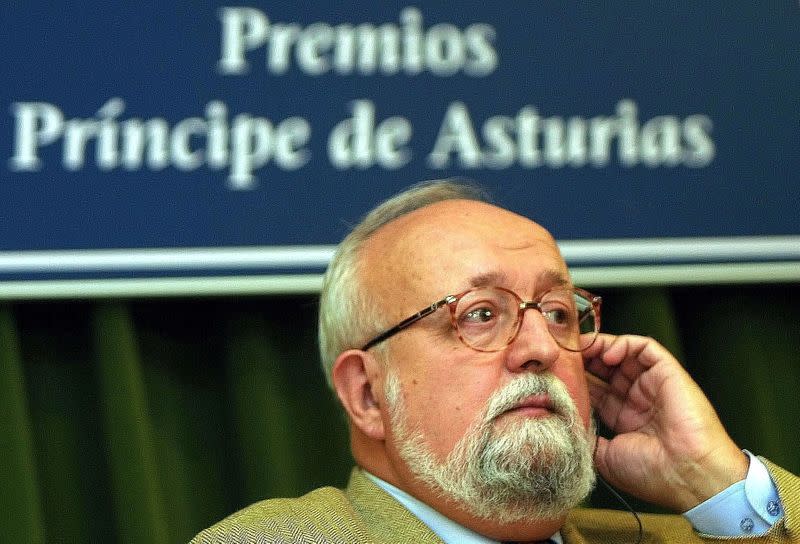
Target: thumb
[600, 452]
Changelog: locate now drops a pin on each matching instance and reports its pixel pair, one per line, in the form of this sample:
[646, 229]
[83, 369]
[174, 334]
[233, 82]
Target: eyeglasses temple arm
[406, 322]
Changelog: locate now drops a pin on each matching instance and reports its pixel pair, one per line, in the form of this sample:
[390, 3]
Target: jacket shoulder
[323, 515]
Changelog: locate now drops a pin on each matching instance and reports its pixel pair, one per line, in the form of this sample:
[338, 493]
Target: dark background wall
[147, 420]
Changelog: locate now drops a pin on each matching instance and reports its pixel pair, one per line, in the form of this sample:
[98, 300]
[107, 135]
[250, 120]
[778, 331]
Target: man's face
[445, 387]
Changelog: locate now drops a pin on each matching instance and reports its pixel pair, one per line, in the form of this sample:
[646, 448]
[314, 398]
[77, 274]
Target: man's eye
[479, 315]
[557, 316]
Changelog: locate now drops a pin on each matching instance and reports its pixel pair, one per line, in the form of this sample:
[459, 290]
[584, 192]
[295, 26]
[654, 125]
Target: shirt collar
[445, 528]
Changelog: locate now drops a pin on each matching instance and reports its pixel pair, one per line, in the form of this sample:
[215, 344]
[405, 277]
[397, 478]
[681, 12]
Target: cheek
[583, 402]
[445, 407]
[575, 381]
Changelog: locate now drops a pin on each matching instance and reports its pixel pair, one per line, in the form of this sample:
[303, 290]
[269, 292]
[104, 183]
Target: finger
[597, 369]
[600, 452]
[621, 360]
[608, 393]
[612, 349]
[598, 388]
[607, 405]
[599, 346]
[593, 356]
[615, 356]
[641, 350]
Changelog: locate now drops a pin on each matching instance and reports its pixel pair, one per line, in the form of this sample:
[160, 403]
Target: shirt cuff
[747, 508]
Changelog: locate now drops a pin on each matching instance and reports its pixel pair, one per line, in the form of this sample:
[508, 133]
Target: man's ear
[354, 375]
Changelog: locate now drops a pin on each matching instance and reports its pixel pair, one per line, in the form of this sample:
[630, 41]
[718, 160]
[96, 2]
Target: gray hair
[347, 312]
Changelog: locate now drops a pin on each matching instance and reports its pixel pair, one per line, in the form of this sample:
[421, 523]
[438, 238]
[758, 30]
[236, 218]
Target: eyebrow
[487, 279]
[556, 278]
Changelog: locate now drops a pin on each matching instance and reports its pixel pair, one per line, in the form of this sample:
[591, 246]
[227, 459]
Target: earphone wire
[628, 506]
[620, 498]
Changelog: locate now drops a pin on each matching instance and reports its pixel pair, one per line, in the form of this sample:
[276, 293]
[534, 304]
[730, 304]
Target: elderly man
[468, 365]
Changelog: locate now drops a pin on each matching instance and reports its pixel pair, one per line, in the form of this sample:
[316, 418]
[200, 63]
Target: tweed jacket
[364, 513]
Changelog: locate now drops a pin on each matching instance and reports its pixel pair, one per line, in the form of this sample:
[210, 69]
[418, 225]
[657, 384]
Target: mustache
[528, 385]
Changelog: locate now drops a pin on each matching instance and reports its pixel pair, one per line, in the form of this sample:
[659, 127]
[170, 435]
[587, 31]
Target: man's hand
[670, 448]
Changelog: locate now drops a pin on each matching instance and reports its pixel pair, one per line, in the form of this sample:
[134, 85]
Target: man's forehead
[457, 241]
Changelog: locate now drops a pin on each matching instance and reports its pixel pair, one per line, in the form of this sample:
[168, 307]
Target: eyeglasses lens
[488, 319]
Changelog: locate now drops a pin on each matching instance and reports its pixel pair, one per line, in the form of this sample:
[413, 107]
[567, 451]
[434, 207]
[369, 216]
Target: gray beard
[527, 470]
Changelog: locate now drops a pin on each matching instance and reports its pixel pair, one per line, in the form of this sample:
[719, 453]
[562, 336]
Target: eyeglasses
[489, 318]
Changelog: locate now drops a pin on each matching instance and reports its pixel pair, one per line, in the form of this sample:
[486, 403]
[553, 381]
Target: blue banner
[207, 139]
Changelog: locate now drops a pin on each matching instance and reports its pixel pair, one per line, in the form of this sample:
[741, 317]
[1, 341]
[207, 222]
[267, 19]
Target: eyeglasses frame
[451, 300]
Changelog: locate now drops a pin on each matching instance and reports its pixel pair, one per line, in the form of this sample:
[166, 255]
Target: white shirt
[747, 508]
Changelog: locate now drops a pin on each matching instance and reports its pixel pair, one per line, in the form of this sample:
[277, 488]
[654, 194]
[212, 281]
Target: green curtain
[147, 420]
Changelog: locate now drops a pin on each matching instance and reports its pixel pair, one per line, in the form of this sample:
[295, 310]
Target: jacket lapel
[386, 519]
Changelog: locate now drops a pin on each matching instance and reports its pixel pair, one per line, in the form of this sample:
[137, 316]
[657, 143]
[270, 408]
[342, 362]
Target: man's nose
[534, 348]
